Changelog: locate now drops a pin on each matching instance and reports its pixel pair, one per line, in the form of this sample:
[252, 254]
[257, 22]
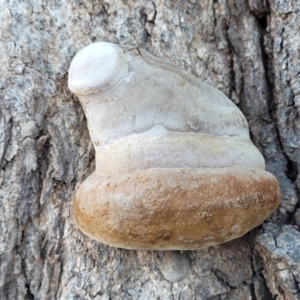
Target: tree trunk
[249, 50]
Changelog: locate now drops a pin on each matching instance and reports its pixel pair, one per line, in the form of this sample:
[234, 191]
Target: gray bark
[249, 50]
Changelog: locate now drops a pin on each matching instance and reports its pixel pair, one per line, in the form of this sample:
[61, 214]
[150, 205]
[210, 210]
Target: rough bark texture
[249, 50]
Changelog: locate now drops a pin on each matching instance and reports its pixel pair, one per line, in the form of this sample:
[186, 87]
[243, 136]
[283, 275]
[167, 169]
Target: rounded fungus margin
[175, 167]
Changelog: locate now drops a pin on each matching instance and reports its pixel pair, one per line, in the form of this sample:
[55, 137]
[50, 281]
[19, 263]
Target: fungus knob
[97, 68]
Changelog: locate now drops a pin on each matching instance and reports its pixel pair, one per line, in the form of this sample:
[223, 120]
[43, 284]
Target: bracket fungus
[175, 166]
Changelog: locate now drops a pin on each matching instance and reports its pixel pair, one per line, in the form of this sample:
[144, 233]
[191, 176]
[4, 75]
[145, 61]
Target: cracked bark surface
[247, 49]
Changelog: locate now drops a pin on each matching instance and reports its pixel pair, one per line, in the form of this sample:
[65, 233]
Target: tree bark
[249, 50]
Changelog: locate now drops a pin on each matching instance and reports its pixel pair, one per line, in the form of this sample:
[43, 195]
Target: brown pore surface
[175, 209]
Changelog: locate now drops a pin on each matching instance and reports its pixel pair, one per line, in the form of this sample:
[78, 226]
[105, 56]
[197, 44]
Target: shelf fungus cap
[175, 166]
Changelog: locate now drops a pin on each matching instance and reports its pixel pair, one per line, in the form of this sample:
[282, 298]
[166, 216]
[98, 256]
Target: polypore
[175, 167]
